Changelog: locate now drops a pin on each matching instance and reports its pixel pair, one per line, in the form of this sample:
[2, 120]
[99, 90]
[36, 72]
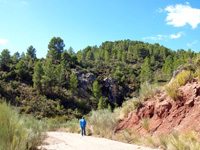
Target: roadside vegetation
[18, 131]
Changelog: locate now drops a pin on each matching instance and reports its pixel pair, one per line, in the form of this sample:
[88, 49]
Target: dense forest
[66, 84]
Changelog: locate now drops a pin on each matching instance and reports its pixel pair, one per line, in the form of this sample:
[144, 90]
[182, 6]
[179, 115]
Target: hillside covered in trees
[66, 84]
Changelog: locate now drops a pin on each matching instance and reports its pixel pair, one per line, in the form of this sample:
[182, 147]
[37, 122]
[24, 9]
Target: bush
[146, 91]
[172, 90]
[183, 77]
[145, 124]
[176, 141]
[126, 108]
[17, 132]
[131, 136]
[102, 122]
[72, 125]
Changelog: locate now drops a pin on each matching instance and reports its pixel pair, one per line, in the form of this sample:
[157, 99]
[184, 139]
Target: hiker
[83, 125]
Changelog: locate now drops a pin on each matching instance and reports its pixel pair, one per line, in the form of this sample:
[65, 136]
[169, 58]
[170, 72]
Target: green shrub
[177, 141]
[183, 77]
[72, 125]
[172, 90]
[131, 136]
[146, 91]
[18, 132]
[126, 108]
[102, 122]
[145, 124]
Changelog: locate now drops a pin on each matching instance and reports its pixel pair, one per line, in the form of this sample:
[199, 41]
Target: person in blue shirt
[83, 125]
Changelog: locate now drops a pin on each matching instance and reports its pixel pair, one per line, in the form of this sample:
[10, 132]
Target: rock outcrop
[176, 72]
[110, 89]
[166, 114]
[108, 86]
[85, 81]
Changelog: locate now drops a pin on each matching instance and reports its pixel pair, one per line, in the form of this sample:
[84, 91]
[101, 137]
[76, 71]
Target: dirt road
[70, 141]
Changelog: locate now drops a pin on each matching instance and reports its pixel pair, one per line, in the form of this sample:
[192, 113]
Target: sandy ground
[71, 141]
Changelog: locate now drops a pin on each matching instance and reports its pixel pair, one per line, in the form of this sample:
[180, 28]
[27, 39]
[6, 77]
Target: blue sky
[171, 23]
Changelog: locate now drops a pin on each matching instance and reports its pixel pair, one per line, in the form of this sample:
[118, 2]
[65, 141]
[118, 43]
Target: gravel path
[71, 141]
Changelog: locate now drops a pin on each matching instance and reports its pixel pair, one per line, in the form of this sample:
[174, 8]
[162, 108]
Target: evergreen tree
[79, 56]
[15, 57]
[146, 71]
[22, 55]
[37, 76]
[65, 59]
[119, 54]
[21, 70]
[48, 79]
[101, 104]
[31, 51]
[96, 90]
[71, 51]
[167, 68]
[89, 56]
[5, 57]
[60, 76]
[30, 64]
[73, 83]
[107, 57]
[56, 47]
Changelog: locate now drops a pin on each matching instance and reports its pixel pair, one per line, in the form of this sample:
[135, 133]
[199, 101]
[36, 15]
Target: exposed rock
[181, 115]
[110, 89]
[162, 109]
[176, 72]
[85, 82]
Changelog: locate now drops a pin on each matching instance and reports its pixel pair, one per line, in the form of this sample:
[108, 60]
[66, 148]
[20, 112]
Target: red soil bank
[167, 115]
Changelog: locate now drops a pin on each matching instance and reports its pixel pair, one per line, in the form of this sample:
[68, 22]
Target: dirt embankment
[167, 115]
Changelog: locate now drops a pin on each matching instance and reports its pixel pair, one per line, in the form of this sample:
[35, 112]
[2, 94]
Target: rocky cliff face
[108, 86]
[110, 89]
[167, 115]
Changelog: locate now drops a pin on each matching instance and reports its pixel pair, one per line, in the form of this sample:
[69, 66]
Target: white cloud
[159, 10]
[180, 15]
[176, 36]
[191, 44]
[155, 38]
[164, 37]
[187, 3]
[3, 41]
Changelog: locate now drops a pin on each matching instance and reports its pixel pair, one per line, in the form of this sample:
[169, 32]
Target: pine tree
[31, 51]
[96, 90]
[90, 56]
[21, 70]
[146, 71]
[107, 56]
[167, 68]
[56, 47]
[48, 79]
[101, 104]
[60, 76]
[37, 76]
[65, 59]
[119, 54]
